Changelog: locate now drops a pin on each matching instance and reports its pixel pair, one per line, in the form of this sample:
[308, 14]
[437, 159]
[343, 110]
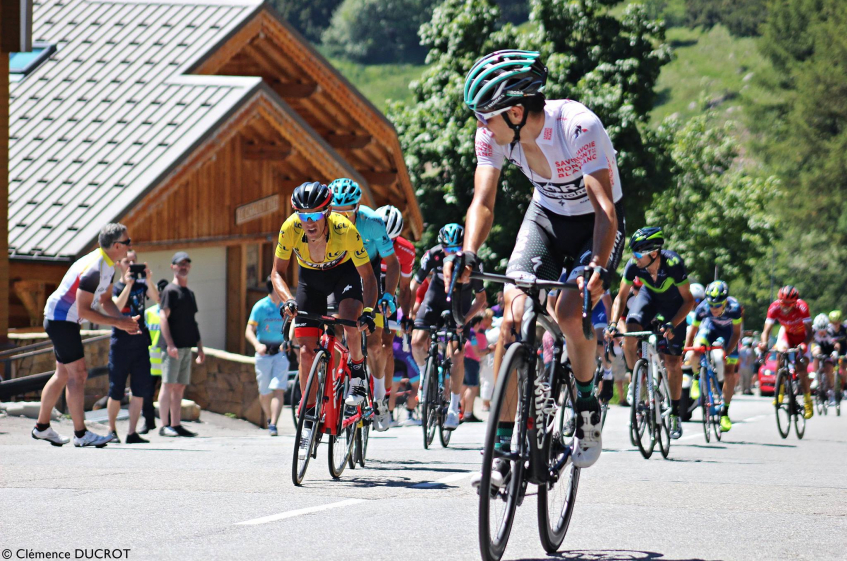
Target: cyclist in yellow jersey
[324, 242]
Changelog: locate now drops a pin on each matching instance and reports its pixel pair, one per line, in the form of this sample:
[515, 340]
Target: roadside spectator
[156, 353]
[264, 331]
[746, 360]
[129, 354]
[486, 366]
[498, 307]
[178, 307]
[89, 280]
[406, 378]
[476, 347]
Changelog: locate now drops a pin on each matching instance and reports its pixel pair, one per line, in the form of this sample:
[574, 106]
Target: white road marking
[442, 481]
[742, 421]
[293, 513]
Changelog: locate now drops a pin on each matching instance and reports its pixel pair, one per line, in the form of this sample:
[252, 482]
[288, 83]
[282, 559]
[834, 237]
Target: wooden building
[190, 122]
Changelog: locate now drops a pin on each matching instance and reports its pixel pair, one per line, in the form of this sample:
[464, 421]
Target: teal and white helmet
[821, 322]
[345, 192]
[451, 235]
[502, 79]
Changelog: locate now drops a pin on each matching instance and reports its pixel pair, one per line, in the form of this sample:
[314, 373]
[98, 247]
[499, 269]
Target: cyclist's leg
[376, 361]
[673, 363]
[388, 355]
[311, 298]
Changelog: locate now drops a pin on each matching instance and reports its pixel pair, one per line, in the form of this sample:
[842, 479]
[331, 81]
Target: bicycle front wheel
[783, 402]
[799, 410]
[429, 412]
[341, 444]
[717, 401]
[640, 417]
[308, 423]
[497, 504]
[443, 434]
[663, 419]
[556, 499]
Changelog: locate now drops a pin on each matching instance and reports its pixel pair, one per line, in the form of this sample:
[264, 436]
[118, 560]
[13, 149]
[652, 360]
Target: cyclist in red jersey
[792, 313]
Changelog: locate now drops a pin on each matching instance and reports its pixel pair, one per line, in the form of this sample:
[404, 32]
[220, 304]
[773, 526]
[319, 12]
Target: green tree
[378, 31]
[743, 18]
[309, 17]
[609, 63]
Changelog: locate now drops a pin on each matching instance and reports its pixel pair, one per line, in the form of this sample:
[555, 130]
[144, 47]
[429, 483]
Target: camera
[138, 271]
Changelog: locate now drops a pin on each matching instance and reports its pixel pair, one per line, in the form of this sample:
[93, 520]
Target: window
[22, 64]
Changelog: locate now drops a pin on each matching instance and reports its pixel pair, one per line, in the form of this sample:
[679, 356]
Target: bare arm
[620, 300]
[598, 186]
[687, 304]
[250, 334]
[736, 336]
[766, 333]
[123, 297]
[368, 285]
[152, 291]
[689, 335]
[478, 304]
[404, 296]
[392, 273]
[112, 317]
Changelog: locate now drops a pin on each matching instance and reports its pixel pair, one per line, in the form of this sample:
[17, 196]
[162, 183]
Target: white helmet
[393, 220]
[821, 322]
[697, 291]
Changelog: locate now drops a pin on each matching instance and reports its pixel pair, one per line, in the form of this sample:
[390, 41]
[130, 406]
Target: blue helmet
[451, 235]
[717, 292]
[345, 192]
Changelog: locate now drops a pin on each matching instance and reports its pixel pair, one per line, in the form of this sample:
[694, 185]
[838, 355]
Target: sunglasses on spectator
[484, 117]
[310, 216]
[127, 242]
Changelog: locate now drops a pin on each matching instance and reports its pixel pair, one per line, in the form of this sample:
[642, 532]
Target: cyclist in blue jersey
[346, 197]
[665, 292]
[717, 322]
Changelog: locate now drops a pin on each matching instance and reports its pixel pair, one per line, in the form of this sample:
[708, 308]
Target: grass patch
[380, 82]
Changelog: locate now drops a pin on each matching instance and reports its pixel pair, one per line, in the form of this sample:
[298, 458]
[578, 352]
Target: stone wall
[226, 383]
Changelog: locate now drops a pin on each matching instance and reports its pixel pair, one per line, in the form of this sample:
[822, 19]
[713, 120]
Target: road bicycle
[711, 395]
[824, 394]
[434, 402]
[788, 395]
[327, 384]
[649, 421]
[542, 401]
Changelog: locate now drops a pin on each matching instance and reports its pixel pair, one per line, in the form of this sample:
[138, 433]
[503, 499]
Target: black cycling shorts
[548, 242]
[66, 339]
[645, 307]
[314, 287]
[435, 303]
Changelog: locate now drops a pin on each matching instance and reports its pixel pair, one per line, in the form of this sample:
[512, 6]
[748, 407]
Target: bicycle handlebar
[703, 349]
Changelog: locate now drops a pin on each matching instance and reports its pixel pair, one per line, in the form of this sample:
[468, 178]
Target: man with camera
[264, 331]
[128, 353]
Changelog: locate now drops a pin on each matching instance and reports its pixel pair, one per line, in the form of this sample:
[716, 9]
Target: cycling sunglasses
[453, 249]
[721, 305]
[311, 216]
[484, 117]
[637, 255]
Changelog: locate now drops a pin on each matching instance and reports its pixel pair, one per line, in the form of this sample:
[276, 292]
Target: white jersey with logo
[92, 273]
[574, 142]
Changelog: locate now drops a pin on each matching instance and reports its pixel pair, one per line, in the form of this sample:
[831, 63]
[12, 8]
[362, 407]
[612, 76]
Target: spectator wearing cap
[156, 352]
[128, 353]
[177, 311]
[264, 331]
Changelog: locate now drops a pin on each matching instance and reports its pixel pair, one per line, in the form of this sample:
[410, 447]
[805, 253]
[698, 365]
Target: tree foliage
[309, 17]
[378, 31]
[743, 18]
[610, 64]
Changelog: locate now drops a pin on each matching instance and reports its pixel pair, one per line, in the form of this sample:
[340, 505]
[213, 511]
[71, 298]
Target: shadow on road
[610, 555]
[742, 443]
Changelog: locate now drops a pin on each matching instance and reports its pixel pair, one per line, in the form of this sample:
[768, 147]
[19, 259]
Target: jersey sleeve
[89, 280]
[427, 263]
[488, 152]
[771, 315]
[384, 245]
[699, 314]
[254, 314]
[356, 248]
[406, 255]
[584, 135]
[166, 301]
[629, 272]
[677, 271]
[803, 308]
[285, 243]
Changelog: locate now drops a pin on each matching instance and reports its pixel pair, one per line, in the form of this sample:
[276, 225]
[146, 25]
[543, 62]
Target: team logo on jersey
[362, 253]
[321, 266]
[578, 131]
[563, 193]
[548, 133]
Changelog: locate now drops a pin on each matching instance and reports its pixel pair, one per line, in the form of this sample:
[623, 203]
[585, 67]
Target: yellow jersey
[343, 243]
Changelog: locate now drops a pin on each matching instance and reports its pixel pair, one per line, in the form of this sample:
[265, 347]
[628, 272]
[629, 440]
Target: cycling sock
[584, 392]
[675, 407]
[455, 398]
[379, 388]
[504, 436]
[41, 428]
[725, 411]
[357, 369]
[607, 374]
[80, 433]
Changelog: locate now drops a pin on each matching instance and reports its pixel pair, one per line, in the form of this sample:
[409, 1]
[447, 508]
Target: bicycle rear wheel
[663, 425]
[497, 506]
[556, 499]
[308, 424]
[361, 443]
[640, 419]
[705, 403]
[443, 434]
[341, 444]
[429, 393]
[799, 410]
[784, 406]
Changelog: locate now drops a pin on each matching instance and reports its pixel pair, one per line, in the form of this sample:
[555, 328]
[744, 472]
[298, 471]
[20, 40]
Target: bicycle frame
[649, 351]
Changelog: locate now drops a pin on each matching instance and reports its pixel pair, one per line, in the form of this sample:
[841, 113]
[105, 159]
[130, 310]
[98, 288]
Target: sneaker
[113, 437]
[726, 424]
[382, 416]
[471, 419]
[451, 422]
[305, 436]
[182, 431]
[146, 428]
[589, 439]
[168, 431]
[411, 422]
[676, 427]
[499, 474]
[91, 439]
[356, 396]
[607, 392]
[272, 430]
[695, 389]
[395, 423]
[135, 439]
[810, 409]
[50, 436]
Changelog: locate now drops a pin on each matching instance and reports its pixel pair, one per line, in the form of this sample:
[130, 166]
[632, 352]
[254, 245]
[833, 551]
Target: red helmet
[788, 294]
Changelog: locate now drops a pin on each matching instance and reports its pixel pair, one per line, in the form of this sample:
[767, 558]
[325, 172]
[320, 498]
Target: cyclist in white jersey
[575, 218]
[88, 280]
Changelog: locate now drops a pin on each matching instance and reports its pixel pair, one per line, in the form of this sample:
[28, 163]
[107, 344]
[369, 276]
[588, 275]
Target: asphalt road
[228, 495]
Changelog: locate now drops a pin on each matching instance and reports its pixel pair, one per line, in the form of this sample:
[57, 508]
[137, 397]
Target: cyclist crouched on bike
[346, 195]
[718, 323]
[450, 239]
[333, 261]
[792, 313]
[665, 293]
[828, 341]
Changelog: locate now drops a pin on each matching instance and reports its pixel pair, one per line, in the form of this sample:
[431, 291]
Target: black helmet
[312, 195]
[647, 239]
